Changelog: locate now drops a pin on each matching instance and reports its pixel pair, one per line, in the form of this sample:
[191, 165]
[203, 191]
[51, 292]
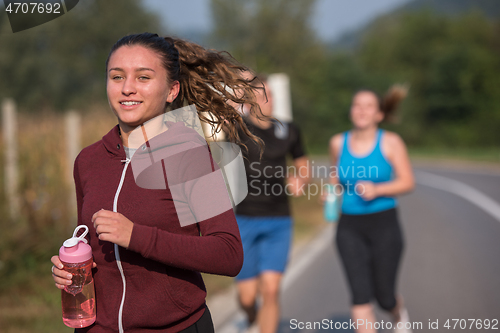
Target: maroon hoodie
[155, 284]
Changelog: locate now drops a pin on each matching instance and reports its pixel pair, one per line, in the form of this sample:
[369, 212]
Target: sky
[331, 18]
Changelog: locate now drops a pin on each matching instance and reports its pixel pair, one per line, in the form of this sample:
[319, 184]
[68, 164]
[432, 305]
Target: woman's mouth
[130, 103]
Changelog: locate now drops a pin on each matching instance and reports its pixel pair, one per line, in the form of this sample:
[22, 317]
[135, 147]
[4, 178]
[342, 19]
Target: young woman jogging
[373, 168]
[147, 265]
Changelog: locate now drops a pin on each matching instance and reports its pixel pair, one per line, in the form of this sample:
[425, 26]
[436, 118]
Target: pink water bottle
[78, 299]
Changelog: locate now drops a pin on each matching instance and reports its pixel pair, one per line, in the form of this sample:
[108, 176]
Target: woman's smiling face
[138, 86]
[365, 111]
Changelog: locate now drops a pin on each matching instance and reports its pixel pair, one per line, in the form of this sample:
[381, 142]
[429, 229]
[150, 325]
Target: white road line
[475, 172]
[296, 267]
[313, 249]
[460, 189]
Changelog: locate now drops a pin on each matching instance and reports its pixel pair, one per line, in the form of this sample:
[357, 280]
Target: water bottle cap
[76, 249]
[70, 242]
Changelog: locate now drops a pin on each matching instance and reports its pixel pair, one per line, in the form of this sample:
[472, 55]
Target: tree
[450, 63]
[273, 36]
[60, 64]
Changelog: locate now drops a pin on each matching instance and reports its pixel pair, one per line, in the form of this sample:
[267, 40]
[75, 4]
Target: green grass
[29, 301]
[466, 154]
[491, 155]
[33, 306]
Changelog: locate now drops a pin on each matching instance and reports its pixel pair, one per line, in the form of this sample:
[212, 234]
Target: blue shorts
[266, 242]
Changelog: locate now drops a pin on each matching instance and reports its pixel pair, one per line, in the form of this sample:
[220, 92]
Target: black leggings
[370, 247]
[203, 325]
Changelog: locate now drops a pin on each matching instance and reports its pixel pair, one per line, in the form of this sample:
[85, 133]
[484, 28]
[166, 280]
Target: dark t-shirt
[266, 177]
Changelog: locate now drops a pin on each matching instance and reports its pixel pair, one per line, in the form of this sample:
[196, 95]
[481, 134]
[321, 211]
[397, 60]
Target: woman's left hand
[113, 227]
[367, 190]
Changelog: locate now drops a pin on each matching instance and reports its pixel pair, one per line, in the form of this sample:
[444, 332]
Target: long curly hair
[211, 80]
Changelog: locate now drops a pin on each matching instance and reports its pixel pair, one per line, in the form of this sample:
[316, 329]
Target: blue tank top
[373, 167]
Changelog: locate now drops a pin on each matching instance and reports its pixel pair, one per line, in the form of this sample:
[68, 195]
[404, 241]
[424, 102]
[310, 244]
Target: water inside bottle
[82, 273]
[78, 299]
[79, 310]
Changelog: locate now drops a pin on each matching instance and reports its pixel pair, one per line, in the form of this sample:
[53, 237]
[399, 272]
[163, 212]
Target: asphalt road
[450, 269]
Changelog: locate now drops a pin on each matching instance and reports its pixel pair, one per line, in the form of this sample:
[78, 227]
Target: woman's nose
[128, 87]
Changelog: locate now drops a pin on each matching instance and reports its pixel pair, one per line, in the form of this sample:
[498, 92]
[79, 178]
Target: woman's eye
[116, 77]
[143, 78]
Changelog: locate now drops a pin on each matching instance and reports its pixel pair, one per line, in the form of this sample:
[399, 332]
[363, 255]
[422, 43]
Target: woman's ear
[173, 92]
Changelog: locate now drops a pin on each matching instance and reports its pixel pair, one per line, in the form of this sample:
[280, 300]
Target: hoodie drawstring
[117, 253]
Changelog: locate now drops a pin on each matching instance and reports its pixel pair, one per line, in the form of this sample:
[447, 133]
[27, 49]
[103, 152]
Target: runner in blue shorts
[264, 216]
[266, 244]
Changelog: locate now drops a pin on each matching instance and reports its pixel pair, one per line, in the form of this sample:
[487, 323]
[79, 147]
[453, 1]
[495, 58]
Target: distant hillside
[491, 8]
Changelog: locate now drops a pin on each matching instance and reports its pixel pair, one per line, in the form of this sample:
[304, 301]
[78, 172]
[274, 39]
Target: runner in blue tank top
[373, 167]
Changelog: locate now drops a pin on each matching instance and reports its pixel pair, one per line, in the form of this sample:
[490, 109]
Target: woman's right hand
[61, 277]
